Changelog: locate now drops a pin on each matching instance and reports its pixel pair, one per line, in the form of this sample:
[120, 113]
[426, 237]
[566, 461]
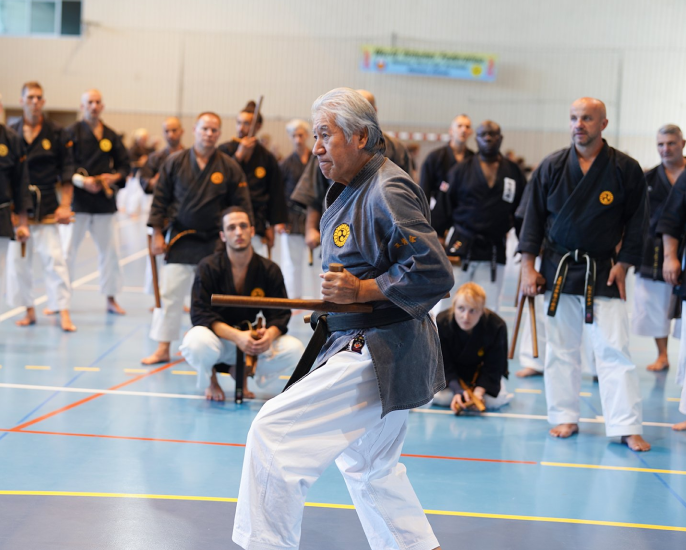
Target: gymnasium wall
[153, 58]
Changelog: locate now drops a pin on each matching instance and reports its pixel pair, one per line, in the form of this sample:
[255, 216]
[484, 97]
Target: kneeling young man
[474, 346]
[237, 270]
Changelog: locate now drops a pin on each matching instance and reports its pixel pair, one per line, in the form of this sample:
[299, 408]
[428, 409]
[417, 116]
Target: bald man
[588, 210]
[150, 172]
[434, 172]
[102, 165]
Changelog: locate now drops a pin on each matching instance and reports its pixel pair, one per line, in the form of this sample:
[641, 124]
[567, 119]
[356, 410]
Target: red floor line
[94, 396]
[221, 444]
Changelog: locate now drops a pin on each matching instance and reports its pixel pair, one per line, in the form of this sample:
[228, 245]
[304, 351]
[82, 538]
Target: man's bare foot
[113, 306]
[161, 355]
[660, 364]
[65, 320]
[635, 443]
[29, 319]
[525, 372]
[47, 311]
[214, 391]
[564, 431]
[680, 427]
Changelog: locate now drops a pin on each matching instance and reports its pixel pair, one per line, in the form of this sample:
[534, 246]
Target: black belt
[324, 324]
[467, 258]
[576, 256]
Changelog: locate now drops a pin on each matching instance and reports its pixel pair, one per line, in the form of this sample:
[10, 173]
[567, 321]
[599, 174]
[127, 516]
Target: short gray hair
[352, 113]
[671, 129]
[296, 124]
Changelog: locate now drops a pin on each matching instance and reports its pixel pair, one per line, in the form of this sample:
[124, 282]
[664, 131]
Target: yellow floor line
[87, 369]
[673, 399]
[618, 468]
[585, 394]
[350, 507]
[524, 390]
[36, 367]
[184, 372]
[135, 371]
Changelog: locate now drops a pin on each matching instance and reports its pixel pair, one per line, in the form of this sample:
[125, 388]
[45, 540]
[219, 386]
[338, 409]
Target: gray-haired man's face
[339, 160]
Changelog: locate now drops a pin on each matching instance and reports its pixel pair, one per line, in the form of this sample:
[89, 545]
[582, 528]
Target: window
[40, 17]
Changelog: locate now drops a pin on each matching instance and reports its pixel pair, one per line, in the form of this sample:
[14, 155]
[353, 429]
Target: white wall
[157, 57]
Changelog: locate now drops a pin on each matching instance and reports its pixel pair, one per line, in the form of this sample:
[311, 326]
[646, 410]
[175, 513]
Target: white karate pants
[293, 262]
[479, 273]
[45, 241]
[103, 230]
[333, 414]
[4, 243]
[651, 305]
[608, 336]
[444, 397]
[203, 349]
[261, 248]
[176, 284]
[681, 369]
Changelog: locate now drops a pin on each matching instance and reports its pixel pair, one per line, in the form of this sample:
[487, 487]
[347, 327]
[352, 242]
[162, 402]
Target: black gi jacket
[292, 170]
[484, 350]
[213, 276]
[435, 169]
[151, 167]
[659, 189]
[50, 161]
[672, 222]
[591, 213]
[107, 156]
[265, 185]
[481, 216]
[14, 179]
[187, 198]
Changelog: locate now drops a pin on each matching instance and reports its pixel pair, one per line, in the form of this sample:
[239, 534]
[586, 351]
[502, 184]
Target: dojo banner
[469, 66]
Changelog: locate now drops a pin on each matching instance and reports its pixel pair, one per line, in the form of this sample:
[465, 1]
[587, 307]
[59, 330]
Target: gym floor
[99, 452]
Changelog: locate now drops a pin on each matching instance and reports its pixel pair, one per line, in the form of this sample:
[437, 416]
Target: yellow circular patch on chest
[47, 145]
[257, 293]
[341, 234]
[217, 178]
[105, 145]
[260, 172]
[481, 352]
[606, 198]
[3, 150]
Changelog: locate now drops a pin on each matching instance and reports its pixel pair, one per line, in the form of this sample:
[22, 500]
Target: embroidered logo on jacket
[3, 150]
[341, 234]
[606, 198]
[260, 172]
[356, 344]
[217, 178]
[257, 293]
[46, 144]
[105, 145]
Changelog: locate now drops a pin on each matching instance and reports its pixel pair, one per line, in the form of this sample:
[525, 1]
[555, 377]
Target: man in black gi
[434, 172]
[194, 187]
[50, 163]
[264, 179]
[483, 194]
[150, 172]
[237, 271]
[651, 294]
[586, 200]
[102, 166]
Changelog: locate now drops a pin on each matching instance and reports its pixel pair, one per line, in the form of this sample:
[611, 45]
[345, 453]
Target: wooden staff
[476, 401]
[519, 284]
[23, 249]
[251, 360]
[310, 260]
[155, 278]
[284, 303]
[515, 333]
[455, 260]
[255, 116]
[532, 318]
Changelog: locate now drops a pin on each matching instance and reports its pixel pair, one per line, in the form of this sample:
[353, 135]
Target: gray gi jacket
[378, 228]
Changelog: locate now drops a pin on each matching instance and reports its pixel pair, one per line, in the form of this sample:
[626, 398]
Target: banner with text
[469, 66]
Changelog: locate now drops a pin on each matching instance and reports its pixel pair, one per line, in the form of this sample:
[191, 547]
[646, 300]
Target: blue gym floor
[99, 452]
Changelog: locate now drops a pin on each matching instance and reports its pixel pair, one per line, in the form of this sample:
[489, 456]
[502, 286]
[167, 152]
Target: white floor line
[76, 284]
[132, 289]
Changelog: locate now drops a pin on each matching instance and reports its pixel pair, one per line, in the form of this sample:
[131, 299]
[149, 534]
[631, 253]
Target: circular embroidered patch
[105, 145]
[260, 172]
[47, 145]
[341, 234]
[257, 293]
[217, 178]
[606, 198]
[3, 150]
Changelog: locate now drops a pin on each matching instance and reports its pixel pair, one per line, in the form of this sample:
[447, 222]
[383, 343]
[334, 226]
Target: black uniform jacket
[107, 156]
[213, 276]
[292, 170]
[591, 213]
[187, 198]
[14, 179]
[479, 358]
[435, 167]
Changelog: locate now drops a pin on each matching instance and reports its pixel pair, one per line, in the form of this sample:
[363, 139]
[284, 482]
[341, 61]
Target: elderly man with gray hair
[651, 293]
[370, 369]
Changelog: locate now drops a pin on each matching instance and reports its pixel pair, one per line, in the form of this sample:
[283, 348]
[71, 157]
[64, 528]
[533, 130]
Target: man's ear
[222, 237]
[364, 138]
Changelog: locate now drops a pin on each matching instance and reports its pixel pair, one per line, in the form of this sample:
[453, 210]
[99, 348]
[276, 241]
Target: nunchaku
[532, 316]
[476, 401]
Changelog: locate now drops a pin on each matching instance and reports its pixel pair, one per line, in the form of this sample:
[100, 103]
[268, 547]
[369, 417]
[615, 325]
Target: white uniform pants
[45, 241]
[4, 242]
[681, 370]
[177, 280]
[294, 263]
[103, 230]
[203, 349]
[479, 273]
[261, 248]
[444, 397]
[608, 336]
[651, 305]
[333, 414]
